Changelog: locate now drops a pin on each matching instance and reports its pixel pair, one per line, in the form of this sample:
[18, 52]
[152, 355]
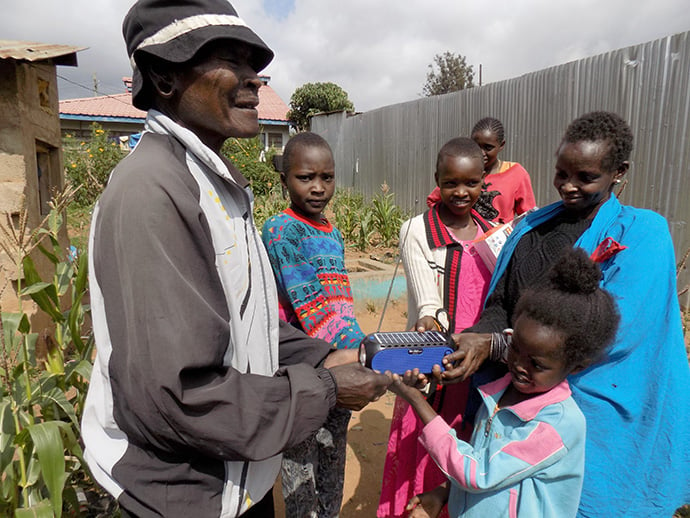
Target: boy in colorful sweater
[307, 257]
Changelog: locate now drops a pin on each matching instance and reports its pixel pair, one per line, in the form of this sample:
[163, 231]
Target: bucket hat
[175, 30]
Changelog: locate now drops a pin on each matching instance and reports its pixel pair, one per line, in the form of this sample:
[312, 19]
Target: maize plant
[43, 373]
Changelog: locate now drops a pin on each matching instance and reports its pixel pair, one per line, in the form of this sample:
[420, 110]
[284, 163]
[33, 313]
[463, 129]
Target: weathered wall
[29, 107]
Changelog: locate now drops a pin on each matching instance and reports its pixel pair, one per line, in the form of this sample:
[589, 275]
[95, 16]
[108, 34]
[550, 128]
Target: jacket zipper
[487, 428]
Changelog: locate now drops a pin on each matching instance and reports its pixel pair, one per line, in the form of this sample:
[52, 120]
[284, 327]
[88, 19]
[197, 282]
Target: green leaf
[49, 448]
[74, 319]
[35, 288]
[50, 255]
[82, 368]
[41, 510]
[63, 275]
[8, 488]
[24, 325]
[31, 346]
[25, 419]
[7, 430]
[82, 273]
[55, 361]
[71, 442]
[54, 224]
[47, 298]
[14, 323]
[55, 396]
[7, 433]
[33, 472]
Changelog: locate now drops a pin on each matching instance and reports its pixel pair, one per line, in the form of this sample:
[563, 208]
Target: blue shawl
[636, 401]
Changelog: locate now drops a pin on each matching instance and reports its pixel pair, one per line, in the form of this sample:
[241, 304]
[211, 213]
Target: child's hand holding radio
[427, 323]
[403, 386]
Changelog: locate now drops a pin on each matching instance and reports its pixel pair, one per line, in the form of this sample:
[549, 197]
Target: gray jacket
[197, 387]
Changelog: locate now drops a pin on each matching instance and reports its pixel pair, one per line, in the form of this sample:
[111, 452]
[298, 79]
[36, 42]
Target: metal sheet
[647, 84]
[34, 51]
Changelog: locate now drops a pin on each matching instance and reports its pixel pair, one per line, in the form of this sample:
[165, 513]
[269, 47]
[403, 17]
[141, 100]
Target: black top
[537, 250]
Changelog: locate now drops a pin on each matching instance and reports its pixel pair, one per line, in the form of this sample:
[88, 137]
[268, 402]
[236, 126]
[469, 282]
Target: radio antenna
[395, 270]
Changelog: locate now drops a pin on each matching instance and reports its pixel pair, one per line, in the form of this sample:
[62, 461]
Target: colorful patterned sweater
[308, 262]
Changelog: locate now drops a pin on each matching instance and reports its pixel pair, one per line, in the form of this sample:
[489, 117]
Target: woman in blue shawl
[636, 401]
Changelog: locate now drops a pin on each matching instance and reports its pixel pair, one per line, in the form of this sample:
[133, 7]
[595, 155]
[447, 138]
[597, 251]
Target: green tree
[450, 74]
[312, 98]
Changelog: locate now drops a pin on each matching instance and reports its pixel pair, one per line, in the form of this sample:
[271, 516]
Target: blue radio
[401, 351]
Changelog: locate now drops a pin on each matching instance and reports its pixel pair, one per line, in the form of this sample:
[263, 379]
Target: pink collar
[528, 409]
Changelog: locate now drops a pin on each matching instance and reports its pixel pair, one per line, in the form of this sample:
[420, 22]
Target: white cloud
[378, 51]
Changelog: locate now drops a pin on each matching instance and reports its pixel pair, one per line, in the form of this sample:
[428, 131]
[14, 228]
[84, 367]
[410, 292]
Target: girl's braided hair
[495, 126]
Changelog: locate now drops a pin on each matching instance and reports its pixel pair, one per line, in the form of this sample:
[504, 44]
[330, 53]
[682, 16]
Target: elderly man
[197, 386]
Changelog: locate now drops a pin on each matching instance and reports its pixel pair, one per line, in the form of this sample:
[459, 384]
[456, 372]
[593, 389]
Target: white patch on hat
[180, 27]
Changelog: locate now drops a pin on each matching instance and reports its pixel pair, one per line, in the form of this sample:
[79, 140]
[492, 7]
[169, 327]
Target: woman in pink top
[443, 272]
[508, 189]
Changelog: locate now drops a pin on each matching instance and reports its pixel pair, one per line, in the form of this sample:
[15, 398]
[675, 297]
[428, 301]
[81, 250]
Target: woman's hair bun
[575, 272]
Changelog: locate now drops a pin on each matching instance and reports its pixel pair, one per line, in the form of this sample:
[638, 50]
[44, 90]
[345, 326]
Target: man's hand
[357, 385]
[472, 350]
[341, 357]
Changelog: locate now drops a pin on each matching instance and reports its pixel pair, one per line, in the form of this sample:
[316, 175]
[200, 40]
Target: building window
[44, 93]
[48, 170]
[274, 140]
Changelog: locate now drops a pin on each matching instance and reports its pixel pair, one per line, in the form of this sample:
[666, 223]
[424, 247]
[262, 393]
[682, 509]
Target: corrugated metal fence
[647, 84]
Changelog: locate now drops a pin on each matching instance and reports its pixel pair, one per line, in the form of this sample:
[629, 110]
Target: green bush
[255, 164]
[266, 205]
[366, 224]
[88, 163]
[365, 230]
[348, 207]
[387, 216]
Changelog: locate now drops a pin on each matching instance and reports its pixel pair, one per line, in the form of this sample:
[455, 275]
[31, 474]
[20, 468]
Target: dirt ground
[368, 432]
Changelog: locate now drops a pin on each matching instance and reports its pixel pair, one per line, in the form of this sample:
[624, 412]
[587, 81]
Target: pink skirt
[409, 470]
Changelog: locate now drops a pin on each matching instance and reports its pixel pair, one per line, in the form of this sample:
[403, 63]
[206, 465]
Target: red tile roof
[117, 105]
[271, 106]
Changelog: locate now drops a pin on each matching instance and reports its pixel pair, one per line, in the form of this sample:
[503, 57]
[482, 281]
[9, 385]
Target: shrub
[365, 230]
[365, 224]
[347, 208]
[267, 205]
[88, 163]
[387, 216]
[253, 162]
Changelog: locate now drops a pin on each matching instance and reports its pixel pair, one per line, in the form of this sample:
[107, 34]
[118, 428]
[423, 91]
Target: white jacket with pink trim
[525, 460]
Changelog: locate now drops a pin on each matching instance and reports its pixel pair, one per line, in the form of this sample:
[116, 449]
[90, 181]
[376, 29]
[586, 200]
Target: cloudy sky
[377, 50]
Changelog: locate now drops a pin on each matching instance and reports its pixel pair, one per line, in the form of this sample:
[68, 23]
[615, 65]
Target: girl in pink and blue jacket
[526, 455]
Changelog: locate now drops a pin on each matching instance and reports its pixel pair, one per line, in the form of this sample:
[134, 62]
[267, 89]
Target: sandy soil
[368, 432]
